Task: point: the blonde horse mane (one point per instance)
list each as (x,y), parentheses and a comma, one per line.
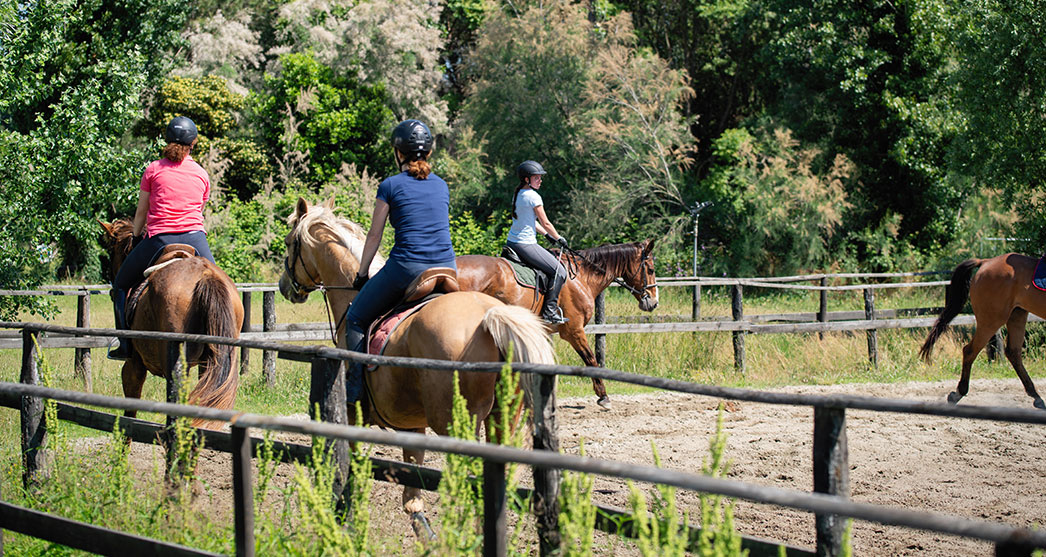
(350,234)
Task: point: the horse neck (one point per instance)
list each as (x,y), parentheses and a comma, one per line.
(594,279)
(337,267)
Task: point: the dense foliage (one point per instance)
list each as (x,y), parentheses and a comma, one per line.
(828,133)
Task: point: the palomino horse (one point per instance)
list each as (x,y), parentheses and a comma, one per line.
(323,251)
(631,265)
(192,296)
(1001,293)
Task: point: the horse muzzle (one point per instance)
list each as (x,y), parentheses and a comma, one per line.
(647,303)
(290,292)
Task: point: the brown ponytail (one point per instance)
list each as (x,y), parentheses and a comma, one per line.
(176,152)
(419,169)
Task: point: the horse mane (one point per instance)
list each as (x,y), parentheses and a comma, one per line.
(612,260)
(350,234)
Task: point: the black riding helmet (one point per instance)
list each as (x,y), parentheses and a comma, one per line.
(527,169)
(412,138)
(181,130)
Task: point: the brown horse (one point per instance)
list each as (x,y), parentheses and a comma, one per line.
(323,251)
(190,296)
(596,268)
(1001,293)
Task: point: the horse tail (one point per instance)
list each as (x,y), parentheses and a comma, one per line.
(212,312)
(954,300)
(527,333)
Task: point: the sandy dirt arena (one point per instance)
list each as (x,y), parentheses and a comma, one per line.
(971,468)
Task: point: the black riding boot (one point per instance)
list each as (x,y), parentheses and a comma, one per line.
(354,338)
(551,312)
(123,350)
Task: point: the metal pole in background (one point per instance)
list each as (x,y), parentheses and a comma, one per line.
(696,307)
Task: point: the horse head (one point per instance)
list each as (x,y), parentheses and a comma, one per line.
(119,236)
(642,277)
(309,264)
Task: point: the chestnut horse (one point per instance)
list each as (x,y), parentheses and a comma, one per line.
(191,296)
(631,265)
(1001,293)
(323,251)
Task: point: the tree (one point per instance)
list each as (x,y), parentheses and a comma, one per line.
(72,75)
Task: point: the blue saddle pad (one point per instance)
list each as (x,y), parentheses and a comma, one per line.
(1039,280)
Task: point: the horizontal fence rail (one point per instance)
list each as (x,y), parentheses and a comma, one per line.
(1004,535)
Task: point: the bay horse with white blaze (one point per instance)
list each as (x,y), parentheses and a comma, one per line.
(1000,293)
(323,252)
(186,295)
(631,265)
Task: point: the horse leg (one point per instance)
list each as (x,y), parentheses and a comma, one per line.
(413,504)
(1015,328)
(133,376)
(981,335)
(575,335)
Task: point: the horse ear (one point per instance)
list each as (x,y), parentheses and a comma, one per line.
(108,227)
(329,204)
(301,208)
(649,246)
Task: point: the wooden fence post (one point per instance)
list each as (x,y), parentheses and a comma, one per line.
(245,353)
(600,318)
(738,313)
(822,310)
(34,426)
(175,375)
(328,392)
(546,480)
(494,520)
(243,493)
(831,475)
(269,324)
(82,356)
(873,335)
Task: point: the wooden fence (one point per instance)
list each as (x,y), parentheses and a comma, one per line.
(830,501)
(871,320)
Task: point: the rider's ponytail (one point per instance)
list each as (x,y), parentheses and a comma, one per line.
(522,184)
(176,152)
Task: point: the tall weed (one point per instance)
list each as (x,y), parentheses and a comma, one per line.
(460,495)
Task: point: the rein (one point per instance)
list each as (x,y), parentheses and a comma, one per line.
(318,285)
(641,293)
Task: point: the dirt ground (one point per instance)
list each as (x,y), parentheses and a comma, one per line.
(971,468)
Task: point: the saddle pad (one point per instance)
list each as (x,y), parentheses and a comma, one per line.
(1039,280)
(384,327)
(525,276)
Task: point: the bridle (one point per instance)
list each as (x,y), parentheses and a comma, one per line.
(641,293)
(288,267)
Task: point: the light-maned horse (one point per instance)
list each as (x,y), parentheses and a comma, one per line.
(190,296)
(630,264)
(323,251)
(1000,293)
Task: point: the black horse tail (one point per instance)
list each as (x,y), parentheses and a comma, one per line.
(954,300)
(211,312)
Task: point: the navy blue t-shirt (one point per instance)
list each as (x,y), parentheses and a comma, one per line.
(419,210)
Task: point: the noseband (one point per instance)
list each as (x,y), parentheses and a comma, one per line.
(288,267)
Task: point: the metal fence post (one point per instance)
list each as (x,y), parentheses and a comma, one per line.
(546,480)
(873,334)
(34,426)
(601,339)
(245,353)
(82,356)
(269,324)
(494,519)
(822,310)
(831,475)
(243,493)
(738,314)
(328,392)
(175,375)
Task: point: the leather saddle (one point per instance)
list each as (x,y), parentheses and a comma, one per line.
(426,287)
(526,276)
(167,255)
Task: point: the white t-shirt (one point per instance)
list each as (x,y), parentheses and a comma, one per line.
(524,230)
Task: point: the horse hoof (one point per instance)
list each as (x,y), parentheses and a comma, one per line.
(604,401)
(954,397)
(421,526)
(1039,404)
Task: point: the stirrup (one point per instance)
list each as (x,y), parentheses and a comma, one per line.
(121,353)
(554,316)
